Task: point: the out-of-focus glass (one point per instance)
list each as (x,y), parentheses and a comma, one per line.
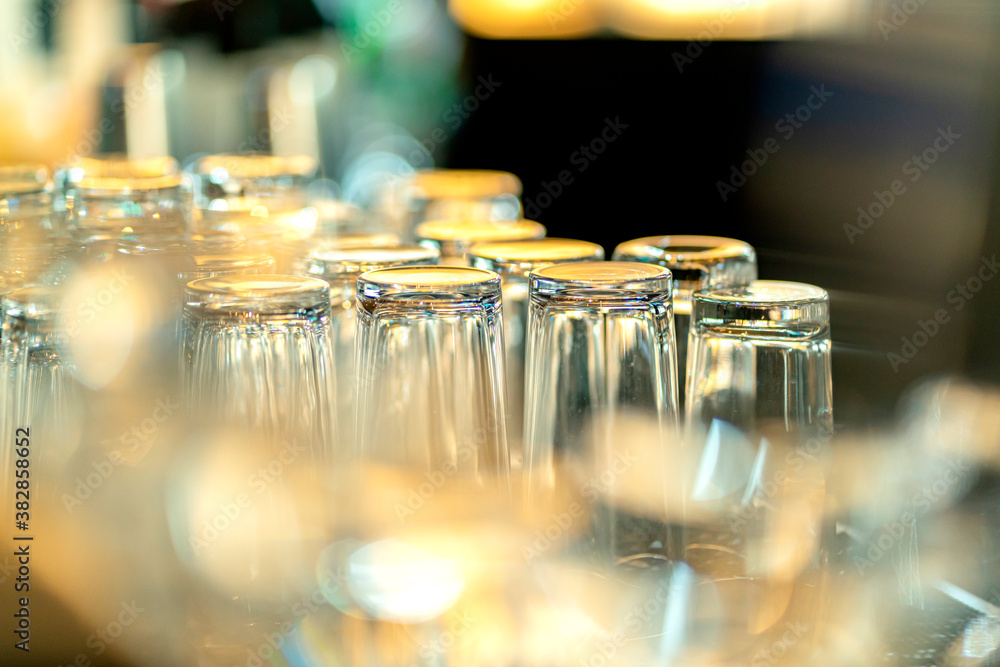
(262,197)
(600,351)
(455,238)
(513,261)
(340,267)
(461,194)
(28,230)
(696,262)
(761,354)
(40,400)
(431,375)
(258,355)
(106,196)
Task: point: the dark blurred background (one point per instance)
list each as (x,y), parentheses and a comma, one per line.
(685,114)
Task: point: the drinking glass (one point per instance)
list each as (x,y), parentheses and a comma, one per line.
(340,267)
(258,355)
(761,354)
(759,418)
(39,395)
(260,385)
(513,261)
(454,238)
(461,194)
(431,376)
(600,353)
(263,197)
(28,243)
(105,196)
(696,262)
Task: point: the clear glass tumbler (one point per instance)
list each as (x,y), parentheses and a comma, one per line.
(759,355)
(431,375)
(106,196)
(340,267)
(40,402)
(461,194)
(513,261)
(28,230)
(696,262)
(259,356)
(455,238)
(262,197)
(600,354)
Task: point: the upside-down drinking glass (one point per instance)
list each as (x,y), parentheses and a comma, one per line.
(340,267)
(430,372)
(760,354)
(263,197)
(258,355)
(455,238)
(696,262)
(39,395)
(600,353)
(107,195)
(28,243)
(513,261)
(460,194)
(759,415)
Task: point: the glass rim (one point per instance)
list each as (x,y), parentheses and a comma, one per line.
(471,232)
(224,261)
(116,173)
(433,184)
(686,248)
(432,277)
(255,165)
(333,261)
(34,302)
(256,289)
(24,179)
(533,251)
(765,294)
(603,276)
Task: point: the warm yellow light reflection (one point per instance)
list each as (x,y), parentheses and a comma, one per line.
(702,20)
